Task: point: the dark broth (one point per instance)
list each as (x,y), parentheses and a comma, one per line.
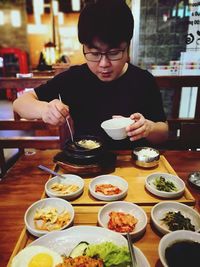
(183,254)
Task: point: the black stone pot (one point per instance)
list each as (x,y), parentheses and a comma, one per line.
(75,154)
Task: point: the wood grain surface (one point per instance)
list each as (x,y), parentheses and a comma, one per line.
(135,176)
(24,184)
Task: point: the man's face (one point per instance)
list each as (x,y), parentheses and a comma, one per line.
(109,67)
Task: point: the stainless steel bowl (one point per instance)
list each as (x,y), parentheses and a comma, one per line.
(143,158)
(194,179)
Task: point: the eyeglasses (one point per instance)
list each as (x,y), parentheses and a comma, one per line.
(111,55)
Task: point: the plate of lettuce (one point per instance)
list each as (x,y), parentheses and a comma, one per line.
(94,242)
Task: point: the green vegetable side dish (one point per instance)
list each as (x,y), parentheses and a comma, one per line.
(162,184)
(176,221)
(111,254)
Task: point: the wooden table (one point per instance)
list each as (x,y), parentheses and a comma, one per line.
(24,184)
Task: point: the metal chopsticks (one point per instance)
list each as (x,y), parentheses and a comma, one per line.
(131,250)
(50,171)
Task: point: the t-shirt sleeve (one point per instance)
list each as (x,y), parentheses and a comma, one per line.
(153,101)
(52,88)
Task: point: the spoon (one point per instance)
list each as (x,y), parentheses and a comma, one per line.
(70,130)
(50,171)
(68,124)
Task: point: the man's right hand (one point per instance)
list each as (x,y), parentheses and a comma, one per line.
(55,112)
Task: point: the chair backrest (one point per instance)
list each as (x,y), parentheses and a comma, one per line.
(175,84)
(190,135)
(43,136)
(184,134)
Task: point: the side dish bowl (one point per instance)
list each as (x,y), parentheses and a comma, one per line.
(70,180)
(112,180)
(175,237)
(146,157)
(151,184)
(194,179)
(160,210)
(61,205)
(127,208)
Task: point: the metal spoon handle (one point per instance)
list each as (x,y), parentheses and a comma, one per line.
(50,171)
(68,124)
(131,250)
(70,130)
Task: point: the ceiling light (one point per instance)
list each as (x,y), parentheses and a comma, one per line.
(55,7)
(15,18)
(76,5)
(38,7)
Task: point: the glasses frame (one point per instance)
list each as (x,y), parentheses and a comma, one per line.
(106,54)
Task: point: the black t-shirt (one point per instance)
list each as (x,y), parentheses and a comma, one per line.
(92,101)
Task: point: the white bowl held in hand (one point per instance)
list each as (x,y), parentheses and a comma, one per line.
(63,207)
(116,127)
(73,183)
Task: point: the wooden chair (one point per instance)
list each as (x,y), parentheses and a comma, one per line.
(190,135)
(44,137)
(176,132)
(176,83)
(184,134)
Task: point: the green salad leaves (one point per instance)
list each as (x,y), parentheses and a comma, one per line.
(111,254)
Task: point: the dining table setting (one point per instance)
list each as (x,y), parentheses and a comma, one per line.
(100,195)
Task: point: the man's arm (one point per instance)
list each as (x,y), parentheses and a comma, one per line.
(155,132)
(29,107)
(158,132)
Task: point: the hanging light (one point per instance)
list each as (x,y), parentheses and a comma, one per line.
(50,53)
(76,5)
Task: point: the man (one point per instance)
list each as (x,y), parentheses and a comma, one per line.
(106,86)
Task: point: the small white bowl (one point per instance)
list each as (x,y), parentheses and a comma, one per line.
(70,179)
(178,182)
(108,179)
(173,237)
(116,127)
(58,203)
(158,212)
(126,207)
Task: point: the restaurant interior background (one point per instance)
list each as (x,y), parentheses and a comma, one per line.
(166,39)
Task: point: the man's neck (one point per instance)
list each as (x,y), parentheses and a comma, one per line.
(124,69)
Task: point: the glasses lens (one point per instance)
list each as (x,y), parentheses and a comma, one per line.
(111,55)
(115,55)
(93,56)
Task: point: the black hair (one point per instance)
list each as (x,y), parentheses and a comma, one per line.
(109,20)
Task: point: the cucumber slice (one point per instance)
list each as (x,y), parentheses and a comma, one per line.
(79,250)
